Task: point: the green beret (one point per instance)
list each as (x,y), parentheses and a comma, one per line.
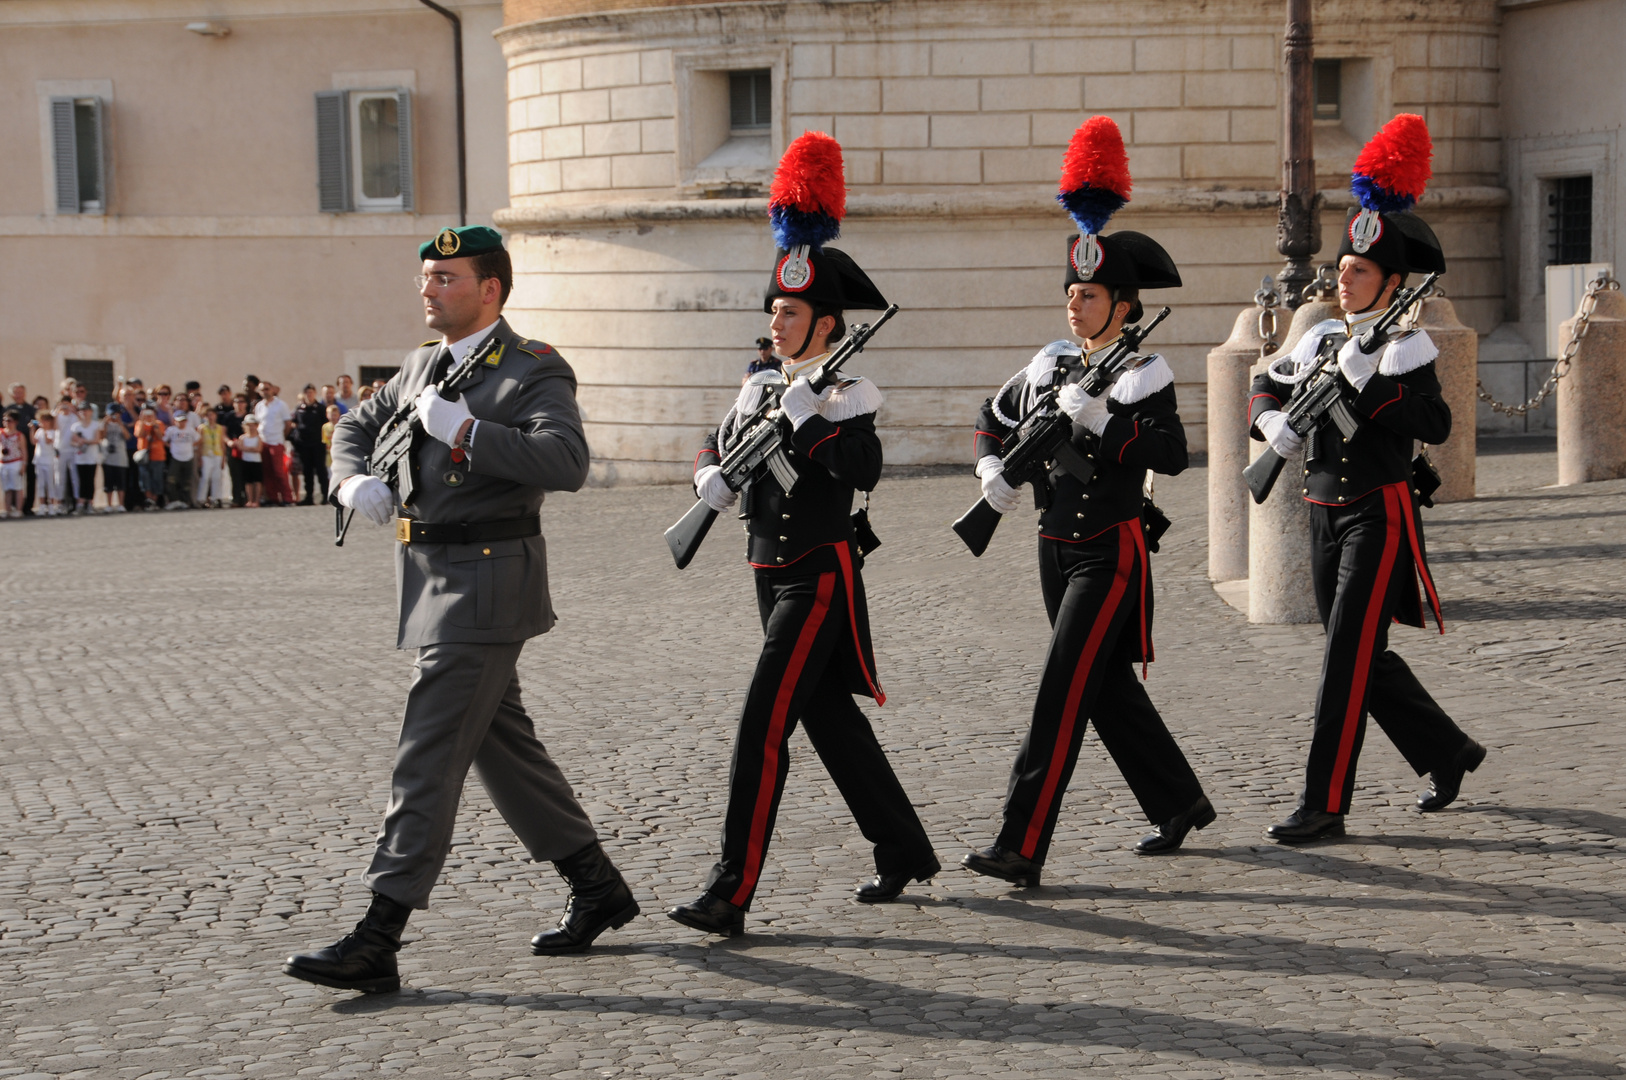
(461,243)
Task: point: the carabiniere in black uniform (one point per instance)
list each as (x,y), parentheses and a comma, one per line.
(1095,575)
(804,550)
(1366,539)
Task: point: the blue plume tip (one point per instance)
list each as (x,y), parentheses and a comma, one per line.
(793,227)
(1374,196)
(1091,207)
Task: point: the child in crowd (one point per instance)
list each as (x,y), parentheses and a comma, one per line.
(47,480)
(86,438)
(115,460)
(150,457)
(180,441)
(248,447)
(212,462)
(12,459)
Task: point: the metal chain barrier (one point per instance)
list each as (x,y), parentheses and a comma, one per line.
(1561,366)
(1269,298)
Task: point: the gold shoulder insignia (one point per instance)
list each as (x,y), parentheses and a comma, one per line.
(495,357)
(431,341)
(537,349)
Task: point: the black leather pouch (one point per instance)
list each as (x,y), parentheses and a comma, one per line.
(1154,523)
(1425,479)
(864,536)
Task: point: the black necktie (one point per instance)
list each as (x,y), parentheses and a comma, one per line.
(443,364)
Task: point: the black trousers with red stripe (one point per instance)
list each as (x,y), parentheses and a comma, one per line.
(1092,592)
(799,678)
(1362,565)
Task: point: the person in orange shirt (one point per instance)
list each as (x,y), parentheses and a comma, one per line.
(151,455)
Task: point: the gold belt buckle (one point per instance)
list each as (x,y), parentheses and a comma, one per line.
(403,530)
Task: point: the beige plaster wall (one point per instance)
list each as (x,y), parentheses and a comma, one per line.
(953,117)
(213,259)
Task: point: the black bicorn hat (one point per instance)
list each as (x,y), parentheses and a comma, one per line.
(1389,177)
(1095,184)
(805,206)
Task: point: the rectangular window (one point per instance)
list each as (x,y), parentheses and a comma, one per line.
(750,101)
(1569,220)
(370,374)
(1328,81)
(96,376)
(364,150)
(79,151)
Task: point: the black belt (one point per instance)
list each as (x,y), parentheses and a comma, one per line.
(410,531)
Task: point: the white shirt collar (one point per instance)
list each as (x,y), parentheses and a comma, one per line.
(463,346)
(793,368)
(1357,324)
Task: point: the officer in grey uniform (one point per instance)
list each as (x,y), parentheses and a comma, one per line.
(471,575)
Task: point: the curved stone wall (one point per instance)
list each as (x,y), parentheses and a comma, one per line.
(953,117)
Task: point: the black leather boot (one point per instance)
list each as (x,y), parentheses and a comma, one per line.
(599,901)
(1304,826)
(1171,834)
(363,959)
(884,887)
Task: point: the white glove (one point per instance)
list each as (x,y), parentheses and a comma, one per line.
(1087,411)
(441,418)
(1356,365)
(713,489)
(799,402)
(1000,495)
(1282,438)
(368,494)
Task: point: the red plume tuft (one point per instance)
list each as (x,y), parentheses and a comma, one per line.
(809,177)
(1398,157)
(1096,158)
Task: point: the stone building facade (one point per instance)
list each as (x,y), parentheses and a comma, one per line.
(638,215)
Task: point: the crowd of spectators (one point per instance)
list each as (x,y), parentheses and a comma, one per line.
(162,450)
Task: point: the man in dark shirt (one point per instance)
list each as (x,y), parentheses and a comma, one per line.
(309,416)
(229,414)
(19,407)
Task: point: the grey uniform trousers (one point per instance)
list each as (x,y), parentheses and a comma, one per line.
(463,709)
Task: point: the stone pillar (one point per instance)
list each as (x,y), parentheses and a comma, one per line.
(1592,397)
(1458,370)
(1279,530)
(1228,378)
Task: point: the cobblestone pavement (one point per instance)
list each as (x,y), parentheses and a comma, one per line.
(196,721)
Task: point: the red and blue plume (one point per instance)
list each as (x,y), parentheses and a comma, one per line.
(1393,169)
(809,194)
(1094,174)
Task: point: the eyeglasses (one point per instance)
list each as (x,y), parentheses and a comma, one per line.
(441,280)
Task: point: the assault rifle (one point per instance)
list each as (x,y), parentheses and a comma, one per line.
(1319,396)
(392,459)
(760,447)
(1047,434)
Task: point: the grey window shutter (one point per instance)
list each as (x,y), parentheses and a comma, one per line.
(333,151)
(65,155)
(403,120)
(98,163)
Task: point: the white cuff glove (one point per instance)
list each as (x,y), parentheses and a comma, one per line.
(713,489)
(1086,411)
(1356,365)
(1000,495)
(1282,438)
(799,402)
(368,494)
(441,418)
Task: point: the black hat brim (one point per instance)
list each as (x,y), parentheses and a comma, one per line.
(1406,245)
(837,282)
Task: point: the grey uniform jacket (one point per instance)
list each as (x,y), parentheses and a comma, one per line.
(529,442)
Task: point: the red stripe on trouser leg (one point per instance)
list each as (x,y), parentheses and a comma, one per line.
(1356,702)
(1075,694)
(1403,492)
(774,741)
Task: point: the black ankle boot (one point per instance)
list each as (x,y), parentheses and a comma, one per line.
(363,959)
(599,901)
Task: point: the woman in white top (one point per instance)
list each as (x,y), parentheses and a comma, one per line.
(115,461)
(47,480)
(248,445)
(86,438)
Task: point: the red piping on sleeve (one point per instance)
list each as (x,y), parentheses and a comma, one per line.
(703,453)
(1256,397)
(1400,392)
(822,441)
(1131,439)
(990,434)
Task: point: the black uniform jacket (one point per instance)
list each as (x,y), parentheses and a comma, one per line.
(809,529)
(1401,403)
(1143,433)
